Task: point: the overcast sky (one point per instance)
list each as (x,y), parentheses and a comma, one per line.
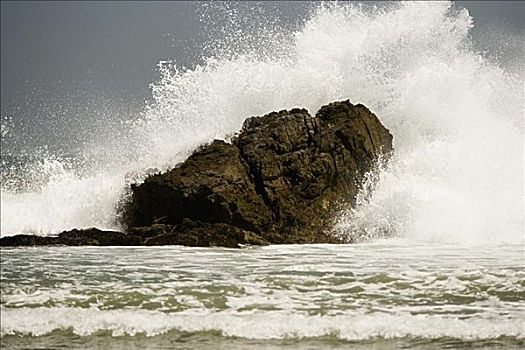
(66,62)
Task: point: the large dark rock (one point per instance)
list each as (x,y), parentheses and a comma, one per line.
(281,180)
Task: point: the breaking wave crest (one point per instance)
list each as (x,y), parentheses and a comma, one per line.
(84,322)
(456,117)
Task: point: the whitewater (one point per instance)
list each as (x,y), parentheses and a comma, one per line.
(442,263)
(386,294)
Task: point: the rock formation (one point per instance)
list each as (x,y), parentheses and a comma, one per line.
(280,180)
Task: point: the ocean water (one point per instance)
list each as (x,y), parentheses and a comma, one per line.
(441,263)
(387,294)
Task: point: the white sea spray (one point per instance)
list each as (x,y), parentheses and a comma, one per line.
(457,121)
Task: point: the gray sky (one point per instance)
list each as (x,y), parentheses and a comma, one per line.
(65,63)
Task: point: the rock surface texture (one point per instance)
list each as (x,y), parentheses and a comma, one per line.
(280,180)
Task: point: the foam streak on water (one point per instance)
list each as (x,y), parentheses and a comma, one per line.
(457,122)
(336,294)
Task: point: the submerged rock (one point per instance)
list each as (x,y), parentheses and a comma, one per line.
(27,240)
(90,236)
(280,180)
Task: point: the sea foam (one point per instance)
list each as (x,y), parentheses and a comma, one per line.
(269,325)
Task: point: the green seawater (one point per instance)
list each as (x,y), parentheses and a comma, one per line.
(384,295)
